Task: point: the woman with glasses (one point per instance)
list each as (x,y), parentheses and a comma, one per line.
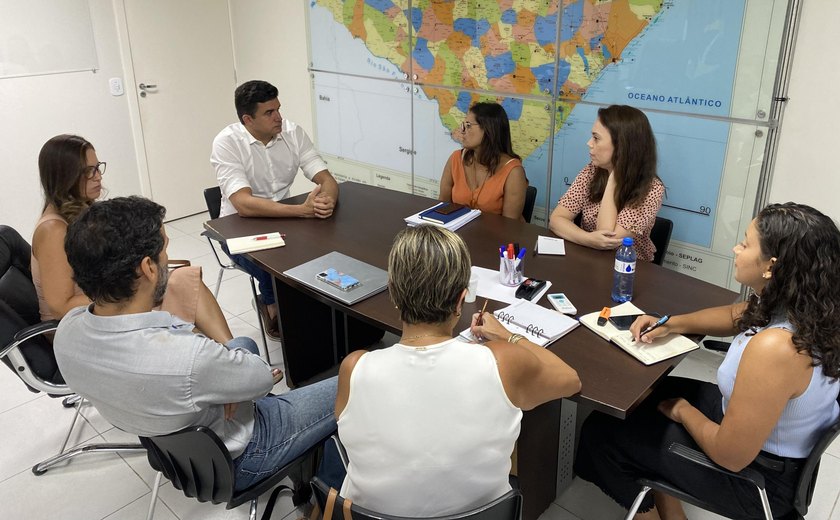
(618,193)
(71,178)
(485,174)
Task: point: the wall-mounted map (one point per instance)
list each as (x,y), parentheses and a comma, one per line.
(393,79)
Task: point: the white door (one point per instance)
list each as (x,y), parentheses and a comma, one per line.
(183,69)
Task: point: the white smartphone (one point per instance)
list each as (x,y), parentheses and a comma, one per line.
(561,303)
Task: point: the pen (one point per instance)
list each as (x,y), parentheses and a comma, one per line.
(662,321)
(479,320)
(521,253)
(266,237)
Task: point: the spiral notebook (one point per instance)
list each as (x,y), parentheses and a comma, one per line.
(538,324)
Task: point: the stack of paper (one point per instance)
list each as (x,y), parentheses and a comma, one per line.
(550,245)
(415,220)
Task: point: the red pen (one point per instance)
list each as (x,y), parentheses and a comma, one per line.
(510,251)
(265,237)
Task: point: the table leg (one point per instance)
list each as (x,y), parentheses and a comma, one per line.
(316,336)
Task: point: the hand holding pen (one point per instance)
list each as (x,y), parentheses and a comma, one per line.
(643,327)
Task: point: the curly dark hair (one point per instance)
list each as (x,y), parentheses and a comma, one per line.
(107,242)
(634,156)
(805,282)
(493,119)
(61,165)
(249,94)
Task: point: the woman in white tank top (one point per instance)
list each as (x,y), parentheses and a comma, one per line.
(777,388)
(429,424)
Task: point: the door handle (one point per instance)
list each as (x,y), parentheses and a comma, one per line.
(146,88)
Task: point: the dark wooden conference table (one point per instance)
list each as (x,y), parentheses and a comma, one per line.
(319,331)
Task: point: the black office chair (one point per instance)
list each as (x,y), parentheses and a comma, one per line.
(506,507)
(197,462)
(213,199)
(530,201)
(660,235)
(27,352)
(801,499)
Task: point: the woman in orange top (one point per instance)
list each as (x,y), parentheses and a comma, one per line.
(486,174)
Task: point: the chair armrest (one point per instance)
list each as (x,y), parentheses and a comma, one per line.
(28,333)
(700,458)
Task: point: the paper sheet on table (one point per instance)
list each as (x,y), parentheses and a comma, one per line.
(550,245)
(489,287)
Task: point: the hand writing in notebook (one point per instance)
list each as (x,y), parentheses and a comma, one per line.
(487,327)
(642,323)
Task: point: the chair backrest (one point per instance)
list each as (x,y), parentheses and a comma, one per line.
(213,199)
(196,461)
(808,477)
(506,507)
(530,201)
(19,309)
(660,235)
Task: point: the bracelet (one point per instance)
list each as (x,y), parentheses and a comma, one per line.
(515,338)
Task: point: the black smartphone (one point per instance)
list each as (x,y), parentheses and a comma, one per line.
(623,322)
(448,208)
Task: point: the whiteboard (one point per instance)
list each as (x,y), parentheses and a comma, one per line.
(45,37)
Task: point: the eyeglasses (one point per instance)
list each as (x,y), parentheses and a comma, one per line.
(466,125)
(91,171)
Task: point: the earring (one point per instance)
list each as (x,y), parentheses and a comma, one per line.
(458,314)
(766,276)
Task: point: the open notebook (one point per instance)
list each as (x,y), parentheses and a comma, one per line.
(538,324)
(660,349)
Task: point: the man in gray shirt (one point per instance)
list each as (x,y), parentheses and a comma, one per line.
(148,373)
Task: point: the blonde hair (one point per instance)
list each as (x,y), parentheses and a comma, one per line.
(428,269)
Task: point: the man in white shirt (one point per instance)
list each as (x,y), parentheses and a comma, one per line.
(256,161)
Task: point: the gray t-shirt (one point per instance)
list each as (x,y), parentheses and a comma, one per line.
(149,374)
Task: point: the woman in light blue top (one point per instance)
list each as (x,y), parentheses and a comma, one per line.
(777,388)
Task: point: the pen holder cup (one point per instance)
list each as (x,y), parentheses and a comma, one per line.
(510,271)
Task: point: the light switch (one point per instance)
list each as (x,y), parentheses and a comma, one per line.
(116,86)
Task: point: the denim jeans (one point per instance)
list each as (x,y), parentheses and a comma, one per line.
(263,278)
(245,343)
(285,426)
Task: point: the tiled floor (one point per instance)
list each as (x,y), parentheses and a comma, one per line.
(107,486)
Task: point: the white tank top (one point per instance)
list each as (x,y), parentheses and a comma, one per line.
(428,432)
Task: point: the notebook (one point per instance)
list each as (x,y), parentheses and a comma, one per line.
(372,280)
(251,243)
(660,349)
(538,324)
(439,214)
(452,225)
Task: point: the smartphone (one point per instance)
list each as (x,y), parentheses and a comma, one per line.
(623,322)
(449,207)
(345,282)
(561,303)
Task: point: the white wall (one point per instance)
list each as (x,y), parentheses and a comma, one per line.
(806,169)
(39,107)
(269,43)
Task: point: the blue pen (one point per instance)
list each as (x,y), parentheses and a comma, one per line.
(662,321)
(521,253)
(501,251)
